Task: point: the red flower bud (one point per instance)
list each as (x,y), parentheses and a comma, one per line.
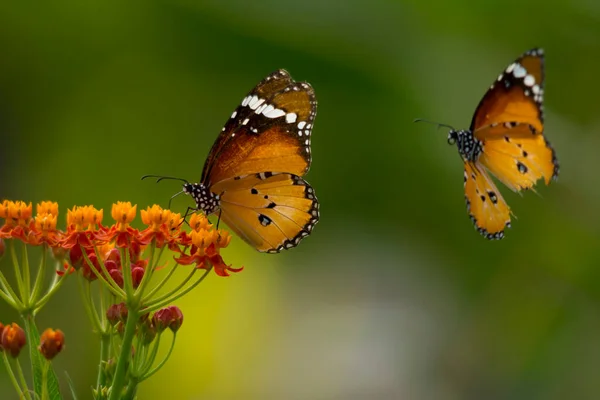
(51,343)
(13,339)
(137,273)
(169,317)
(116,313)
(117,276)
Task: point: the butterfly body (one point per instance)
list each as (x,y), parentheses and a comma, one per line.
(252,176)
(506,138)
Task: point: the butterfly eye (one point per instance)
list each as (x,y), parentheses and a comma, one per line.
(452,138)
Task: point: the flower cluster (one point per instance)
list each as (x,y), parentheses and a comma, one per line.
(96,249)
(121,261)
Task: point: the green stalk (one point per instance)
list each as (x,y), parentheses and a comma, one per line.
(108,281)
(39,278)
(7,296)
(104,350)
(159,366)
(160,285)
(56,284)
(149,271)
(26,276)
(150,360)
(157,305)
(127,278)
(12,376)
(86,299)
(131,389)
(18,276)
(22,379)
(174,290)
(125,355)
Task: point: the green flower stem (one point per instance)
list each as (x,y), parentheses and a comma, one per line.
(104,351)
(18,276)
(26,275)
(108,281)
(140,356)
(131,389)
(22,379)
(176,289)
(149,270)
(56,284)
(45,368)
(156,305)
(84,289)
(126,269)
(160,285)
(39,278)
(125,355)
(150,360)
(8,295)
(21,392)
(160,365)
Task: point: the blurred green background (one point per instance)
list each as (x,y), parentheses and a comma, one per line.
(394,295)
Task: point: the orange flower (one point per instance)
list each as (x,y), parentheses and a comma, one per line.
(47,207)
(17,216)
(13,339)
(163,227)
(123,235)
(44,227)
(206,245)
(81,227)
(51,343)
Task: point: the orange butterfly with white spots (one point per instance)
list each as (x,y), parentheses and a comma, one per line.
(506,138)
(253,174)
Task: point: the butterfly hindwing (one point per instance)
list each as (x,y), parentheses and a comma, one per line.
(485,205)
(519,157)
(269,131)
(270,211)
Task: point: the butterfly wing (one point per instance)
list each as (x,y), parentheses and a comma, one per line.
(509,122)
(256,164)
(271,212)
(269,131)
(486,207)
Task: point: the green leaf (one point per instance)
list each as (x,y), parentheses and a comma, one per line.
(38,361)
(73,393)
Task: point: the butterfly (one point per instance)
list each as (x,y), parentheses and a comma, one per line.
(252,176)
(506,138)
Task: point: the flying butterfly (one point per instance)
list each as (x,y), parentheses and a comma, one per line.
(252,176)
(506,138)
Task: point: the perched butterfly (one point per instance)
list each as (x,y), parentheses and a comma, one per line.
(253,174)
(506,138)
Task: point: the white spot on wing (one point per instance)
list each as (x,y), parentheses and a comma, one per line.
(301,124)
(245,101)
(275,113)
(233,114)
(529,80)
(290,118)
(519,71)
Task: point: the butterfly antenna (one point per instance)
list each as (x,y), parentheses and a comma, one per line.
(219,219)
(161,178)
(435,123)
(172,197)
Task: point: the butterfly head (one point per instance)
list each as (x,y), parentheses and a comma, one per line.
(206,201)
(469,147)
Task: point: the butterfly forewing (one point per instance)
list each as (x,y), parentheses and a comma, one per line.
(271,212)
(515,97)
(269,131)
